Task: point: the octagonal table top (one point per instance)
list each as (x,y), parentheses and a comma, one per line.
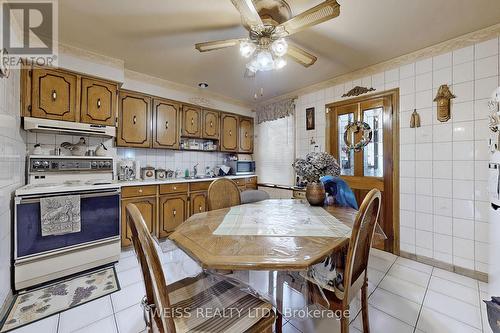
(283,251)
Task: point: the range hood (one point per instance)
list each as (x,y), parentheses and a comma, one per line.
(67,127)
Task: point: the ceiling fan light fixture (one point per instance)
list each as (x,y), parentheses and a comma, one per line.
(265,61)
(247,48)
(279,47)
(279,63)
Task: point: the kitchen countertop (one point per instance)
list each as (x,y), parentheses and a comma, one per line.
(35,189)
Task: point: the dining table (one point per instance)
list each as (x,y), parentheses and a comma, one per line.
(273,240)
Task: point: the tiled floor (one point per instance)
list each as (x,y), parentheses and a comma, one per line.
(405,296)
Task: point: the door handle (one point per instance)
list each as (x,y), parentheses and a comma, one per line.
(54,95)
(174,212)
(192,121)
(166,125)
(246,135)
(134,120)
(211,124)
(98,103)
(230,133)
(200,208)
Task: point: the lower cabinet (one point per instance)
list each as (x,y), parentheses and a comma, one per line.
(173,211)
(147,207)
(198,202)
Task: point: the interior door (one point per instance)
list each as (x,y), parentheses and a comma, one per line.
(372,166)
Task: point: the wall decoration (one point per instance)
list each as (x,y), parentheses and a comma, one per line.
(350,133)
(443,98)
(310,119)
(356,91)
(415,119)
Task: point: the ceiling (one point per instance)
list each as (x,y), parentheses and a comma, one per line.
(157,37)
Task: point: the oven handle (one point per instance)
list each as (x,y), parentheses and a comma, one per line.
(82,196)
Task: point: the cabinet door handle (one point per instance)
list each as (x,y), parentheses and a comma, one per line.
(54,95)
(246,134)
(175,187)
(98,103)
(211,124)
(174,212)
(192,121)
(135,120)
(140,190)
(230,133)
(200,208)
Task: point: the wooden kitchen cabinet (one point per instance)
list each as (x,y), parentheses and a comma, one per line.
(198,202)
(165,124)
(210,124)
(147,207)
(134,120)
(53,94)
(229,133)
(251,183)
(191,121)
(246,135)
(173,211)
(98,102)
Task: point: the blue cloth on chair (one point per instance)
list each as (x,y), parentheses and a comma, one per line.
(339,189)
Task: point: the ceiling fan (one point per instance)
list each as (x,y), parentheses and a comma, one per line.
(269,23)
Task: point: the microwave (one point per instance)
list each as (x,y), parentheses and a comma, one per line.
(242,167)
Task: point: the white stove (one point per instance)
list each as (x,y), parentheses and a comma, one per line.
(39,259)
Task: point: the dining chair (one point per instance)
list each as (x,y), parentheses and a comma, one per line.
(176,307)
(250,196)
(223,193)
(355,267)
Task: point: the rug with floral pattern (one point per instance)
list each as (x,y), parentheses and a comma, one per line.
(45,301)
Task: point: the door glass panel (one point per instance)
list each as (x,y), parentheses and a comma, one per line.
(373,156)
(346,158)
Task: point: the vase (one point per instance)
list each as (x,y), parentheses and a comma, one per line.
(315,193)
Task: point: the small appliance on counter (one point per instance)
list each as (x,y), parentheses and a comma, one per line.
(242,165)
(148,173)
(127,170)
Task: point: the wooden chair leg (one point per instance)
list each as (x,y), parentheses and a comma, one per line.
(279,301)
(364,308)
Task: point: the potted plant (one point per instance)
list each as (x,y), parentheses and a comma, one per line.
(314,166)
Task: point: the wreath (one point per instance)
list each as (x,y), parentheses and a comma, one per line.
(356,127)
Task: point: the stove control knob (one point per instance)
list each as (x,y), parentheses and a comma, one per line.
(101,164)
(45,164)
(94,164)
(36,164)
(107,164)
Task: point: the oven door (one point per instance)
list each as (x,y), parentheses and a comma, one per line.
(100,220)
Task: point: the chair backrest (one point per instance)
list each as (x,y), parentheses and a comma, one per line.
(250,196)
(154,279)
(223,193)
(360,243)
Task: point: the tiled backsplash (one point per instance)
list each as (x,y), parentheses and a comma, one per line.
(158,158)
(443,166)
(12,152)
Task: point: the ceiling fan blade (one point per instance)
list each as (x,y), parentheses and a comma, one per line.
(325,11)
(301,56)
(248,13)
(216,45)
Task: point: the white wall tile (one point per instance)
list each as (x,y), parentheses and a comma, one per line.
(463,131)
(463,170)
(463,209)
(464,91)
(407,71)
(442,132)
(485,87)
(423,66)
(462,111)
(486,49)
(463,55)
(463,228)
(443,206)
(463,189)
(442,151)
(463,150)
(463,248)
(423,186)
(443,225)
(391,75)
(486,67)
(463,72)
(441,61)
(442,188)
(442,76)
(443,243)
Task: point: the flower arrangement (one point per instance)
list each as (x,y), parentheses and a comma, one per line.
(316,165)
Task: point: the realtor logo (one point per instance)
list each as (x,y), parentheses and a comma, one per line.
(29,32)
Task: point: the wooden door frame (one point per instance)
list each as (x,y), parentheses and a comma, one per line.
(394,95)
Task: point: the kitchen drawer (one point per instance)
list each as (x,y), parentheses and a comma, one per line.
(240,181)
(299,194)
(199,186)
(173,188)
(251,180)
(138,191)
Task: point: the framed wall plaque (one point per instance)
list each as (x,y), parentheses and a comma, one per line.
(310,119)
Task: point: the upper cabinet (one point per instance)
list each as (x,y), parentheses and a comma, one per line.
(98,102)
(134,120)
(191,121)
(210,124)
(229,132)
(165,124)
(53,94)
(246,135)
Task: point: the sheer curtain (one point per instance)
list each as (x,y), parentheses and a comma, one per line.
(275,151)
